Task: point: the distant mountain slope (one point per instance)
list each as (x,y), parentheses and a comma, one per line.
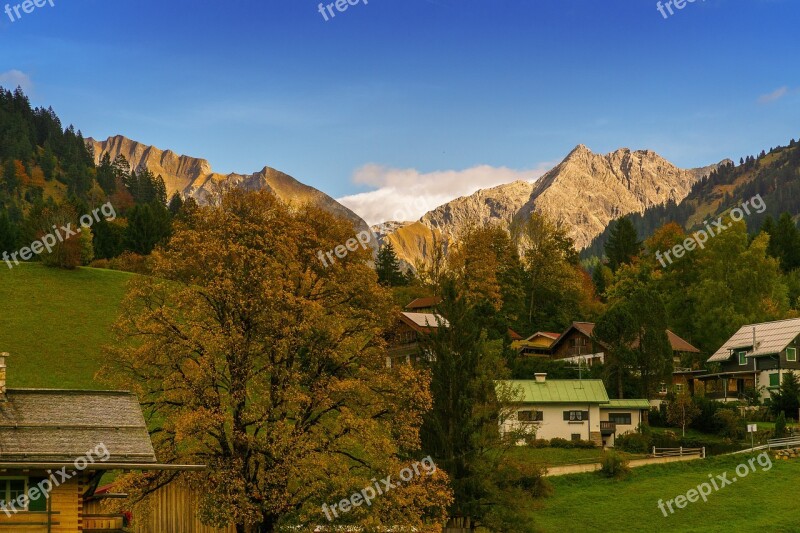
(193,176)
(584,192)
(774,175)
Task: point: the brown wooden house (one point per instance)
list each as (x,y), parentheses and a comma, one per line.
(55,445)
(403,339)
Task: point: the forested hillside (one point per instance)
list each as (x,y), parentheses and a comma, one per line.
(48,177)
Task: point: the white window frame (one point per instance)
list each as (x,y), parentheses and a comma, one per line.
(4,491)
(740,354)
(794,351)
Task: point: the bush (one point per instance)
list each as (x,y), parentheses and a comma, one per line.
(614,465)
(729,424)
(561,443)
(633,442)
(540,443)
(583,444)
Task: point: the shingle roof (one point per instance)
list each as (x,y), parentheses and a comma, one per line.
(555,390)
(771,338)
(62,425)
(680,345)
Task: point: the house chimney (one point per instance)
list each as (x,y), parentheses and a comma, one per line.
(3,357)
(540,378)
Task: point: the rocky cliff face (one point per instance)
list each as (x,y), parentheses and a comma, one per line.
(194,177)
(584,192)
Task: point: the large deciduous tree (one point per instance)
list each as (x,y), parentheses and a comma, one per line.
(253,358)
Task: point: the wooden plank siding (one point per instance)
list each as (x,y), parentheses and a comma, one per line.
(172,509)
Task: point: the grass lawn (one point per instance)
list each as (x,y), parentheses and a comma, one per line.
(759,501)
(560,456)
(55,322)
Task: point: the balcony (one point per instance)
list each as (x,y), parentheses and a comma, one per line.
(608,428)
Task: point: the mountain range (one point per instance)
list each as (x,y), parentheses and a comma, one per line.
(585,192)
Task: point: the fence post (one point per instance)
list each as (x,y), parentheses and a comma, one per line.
(654,451)
(681,451)
(704,452)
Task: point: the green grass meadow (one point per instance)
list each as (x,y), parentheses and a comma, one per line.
(761,501)
(55,322)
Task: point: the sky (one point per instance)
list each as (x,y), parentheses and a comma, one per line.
(395,106)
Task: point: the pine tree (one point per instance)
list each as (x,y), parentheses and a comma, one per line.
(388,267)
(623,243)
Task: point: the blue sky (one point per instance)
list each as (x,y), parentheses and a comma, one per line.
(404,99)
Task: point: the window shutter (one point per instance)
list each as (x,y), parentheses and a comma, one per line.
(40,503)
(586,415)
(566,415)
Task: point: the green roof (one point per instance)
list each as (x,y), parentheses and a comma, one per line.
(555,390)
(627,404)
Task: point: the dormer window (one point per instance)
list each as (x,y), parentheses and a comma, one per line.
(742,358)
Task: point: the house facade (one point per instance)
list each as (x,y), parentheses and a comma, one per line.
(755,357)
(568,409)
(577,345)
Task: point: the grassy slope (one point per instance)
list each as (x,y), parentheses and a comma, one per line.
(55,322)
(759,501)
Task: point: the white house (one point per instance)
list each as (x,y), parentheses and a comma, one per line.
(567,408)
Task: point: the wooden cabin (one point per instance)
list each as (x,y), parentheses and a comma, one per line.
(56,445)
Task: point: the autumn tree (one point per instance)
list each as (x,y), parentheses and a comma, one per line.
(681,411)
(486,267)
(558,291)
(252,358)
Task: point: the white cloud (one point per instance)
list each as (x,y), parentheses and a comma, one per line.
(407,194)
(774,96)
(12,79)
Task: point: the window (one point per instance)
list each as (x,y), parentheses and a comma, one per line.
(576,436)
(576,416)
(12,488)
(529,416)
(775,380)
(742,358)
(679,387)
(663,389)
(791,354)
(620,418)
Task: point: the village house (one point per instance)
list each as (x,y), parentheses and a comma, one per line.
(537,345)
(570,409)
(755,358)
(404,338)
(56,445)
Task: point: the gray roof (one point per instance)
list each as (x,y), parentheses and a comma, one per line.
(38,425)
(771,338)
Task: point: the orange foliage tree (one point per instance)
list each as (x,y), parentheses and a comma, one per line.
(253,358)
